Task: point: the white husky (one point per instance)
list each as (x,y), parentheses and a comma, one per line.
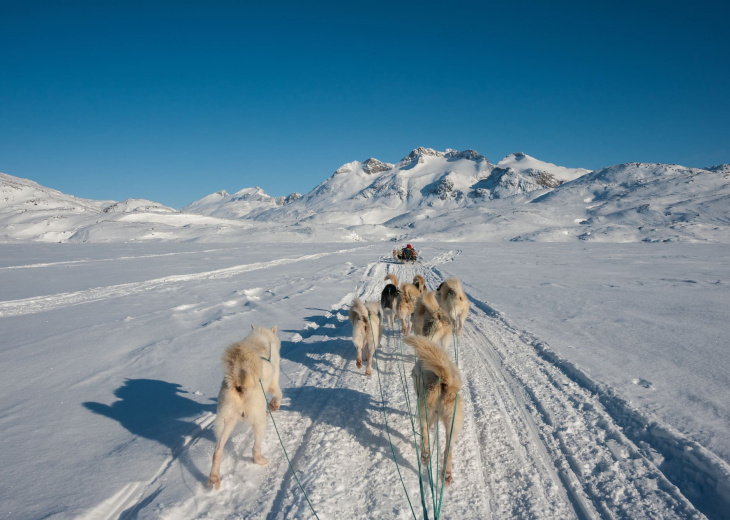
(248,366)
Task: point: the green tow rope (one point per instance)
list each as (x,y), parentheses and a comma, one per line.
(285,453)
(385,415)
(404,384)
(436,502)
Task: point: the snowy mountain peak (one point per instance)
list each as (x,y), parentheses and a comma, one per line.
(719,168)
(369,167)
(245,203)
(138,206)
(253,194)
(469,154)
(346,168)
(374,166)
(520,162)
(280,201)
(418,155)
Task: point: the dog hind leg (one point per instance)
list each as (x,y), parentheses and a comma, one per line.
(259,426)
(225,432)
(371,352)
(275,390)
(451,433)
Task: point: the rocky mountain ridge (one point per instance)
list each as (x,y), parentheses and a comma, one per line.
(454,195)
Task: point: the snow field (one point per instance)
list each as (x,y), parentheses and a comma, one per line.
(121,426)
(534,444)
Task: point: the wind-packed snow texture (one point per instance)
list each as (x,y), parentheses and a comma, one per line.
(596,381)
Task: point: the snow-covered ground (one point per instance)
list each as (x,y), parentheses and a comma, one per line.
(596,381)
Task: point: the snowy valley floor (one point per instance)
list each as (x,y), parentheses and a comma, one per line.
(596,381)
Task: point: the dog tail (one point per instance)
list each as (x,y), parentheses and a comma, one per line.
(358,307)
(451,288)
(420,282)
(429,301)
(438,361)
(435,316)
(358,312)
(241,366)
(409,293)
(393,279)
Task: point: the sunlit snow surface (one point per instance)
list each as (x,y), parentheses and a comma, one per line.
(596,381)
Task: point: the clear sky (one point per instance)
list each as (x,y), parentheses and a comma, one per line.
(174,100)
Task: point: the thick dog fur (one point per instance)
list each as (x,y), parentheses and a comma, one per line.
(433,364)
(432,321)
(392,279)
(420,282)
(389,298)
(452,299)
(367,331)
(407,297)
(241,397)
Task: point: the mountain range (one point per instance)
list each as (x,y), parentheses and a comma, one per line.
(427,195)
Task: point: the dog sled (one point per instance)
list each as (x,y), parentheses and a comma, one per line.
(406,254)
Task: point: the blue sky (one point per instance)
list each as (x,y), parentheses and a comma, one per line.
(171,101)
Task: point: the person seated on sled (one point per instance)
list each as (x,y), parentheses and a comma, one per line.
(409,253)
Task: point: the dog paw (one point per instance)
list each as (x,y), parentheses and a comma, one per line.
(359,363)
(447,478)
(368,371)
(424,457)
(214,481)
(274,405)
(261,460)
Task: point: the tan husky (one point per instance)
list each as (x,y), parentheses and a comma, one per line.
(437,401)
(420,282)
(432,321)
(407,296)
(367,331)
(248,366)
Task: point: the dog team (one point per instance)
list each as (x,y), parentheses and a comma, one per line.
(251,366)
(432,318)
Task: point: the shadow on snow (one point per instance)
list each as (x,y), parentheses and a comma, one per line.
(158,411)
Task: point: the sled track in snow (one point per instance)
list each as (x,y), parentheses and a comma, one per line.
(685,469)
(562,447)
(611,460)
(53,301)
(540,438)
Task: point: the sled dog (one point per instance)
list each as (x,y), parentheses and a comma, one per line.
(241,398)
(407,296)
(388,299)
(452,299)
(420,282)
(433,364)
(432,321)
(366,319)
